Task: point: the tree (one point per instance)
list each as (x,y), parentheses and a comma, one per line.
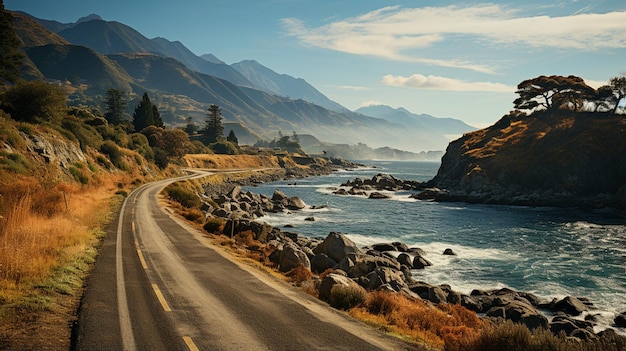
(553,92)
(146,114)
(191,127)
(214,130)
(232,138)
(618,84)
(35,102)
(115,104)
(10,55)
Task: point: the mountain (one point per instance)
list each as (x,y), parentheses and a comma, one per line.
(182,92)
(555,157)
(79,65)
(284,85)
(444,126)
(108,37)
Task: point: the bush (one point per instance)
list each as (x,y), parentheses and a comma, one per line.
(160,158)
(35,102)
(193,214)
(86,135)
(14,162)
(214,225)
(110,149)
(224,147)
(345,297)
(79,174)
(185,197)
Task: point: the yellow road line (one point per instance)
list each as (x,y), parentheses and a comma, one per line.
(190,344)
(132,226)
(161,298)
(142,260)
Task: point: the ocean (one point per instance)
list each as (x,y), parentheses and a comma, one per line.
(551,252)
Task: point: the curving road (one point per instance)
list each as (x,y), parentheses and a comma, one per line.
(159,285)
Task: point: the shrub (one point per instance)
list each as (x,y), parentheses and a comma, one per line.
(192,214)
(160,158)
(79,174)
(214,225)
(14,162)
(110,149)
(35,101)
(224,147)
(345,297)
(87,135)
(183,196)
(299,275)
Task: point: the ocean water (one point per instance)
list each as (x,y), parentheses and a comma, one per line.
(551,252)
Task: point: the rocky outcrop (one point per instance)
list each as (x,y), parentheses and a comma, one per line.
(377,184)
(550,158)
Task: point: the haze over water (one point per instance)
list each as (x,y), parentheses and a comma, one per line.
(551,252)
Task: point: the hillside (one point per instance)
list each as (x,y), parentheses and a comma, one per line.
(284,85)
(556,157)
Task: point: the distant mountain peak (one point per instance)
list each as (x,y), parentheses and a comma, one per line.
(91,17)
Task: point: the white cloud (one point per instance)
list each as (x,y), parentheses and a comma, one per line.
(354,88)
(443,83)
(396,33)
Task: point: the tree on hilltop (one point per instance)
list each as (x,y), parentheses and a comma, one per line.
(146,114)
(232,137)
(115,104)
(548,92)
(214,129)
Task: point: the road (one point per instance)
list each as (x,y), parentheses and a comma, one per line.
(158,284)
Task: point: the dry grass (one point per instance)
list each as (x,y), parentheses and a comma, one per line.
(449,326)
(223,162)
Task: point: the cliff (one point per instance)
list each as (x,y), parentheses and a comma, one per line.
(550,158)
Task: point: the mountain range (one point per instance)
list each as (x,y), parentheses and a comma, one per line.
(99,55)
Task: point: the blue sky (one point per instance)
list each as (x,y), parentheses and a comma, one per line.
(444,58)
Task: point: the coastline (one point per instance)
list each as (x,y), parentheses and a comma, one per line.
(503,303)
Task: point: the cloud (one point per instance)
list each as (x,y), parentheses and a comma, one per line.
(397,33)
(443,83)
(354,88)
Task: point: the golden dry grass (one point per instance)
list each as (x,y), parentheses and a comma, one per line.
(224,162)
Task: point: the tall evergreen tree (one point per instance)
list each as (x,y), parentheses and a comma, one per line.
(156,117)
(144,114)
(214,130)
(115,105)
(10,55)
(232,137)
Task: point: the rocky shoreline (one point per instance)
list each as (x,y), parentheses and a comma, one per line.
(384,266)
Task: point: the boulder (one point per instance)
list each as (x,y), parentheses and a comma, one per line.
(570,305)
(436,295)
(292,257)
(321,262)
(377,195)
(382,247)
(331,280)
(386,276)
(449,252)
(405,259)
(366,264)
(295,203)
(420,262)
(336,246)
(620,320)
(518,312)
(279,196)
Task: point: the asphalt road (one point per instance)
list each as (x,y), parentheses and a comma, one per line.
(158,284)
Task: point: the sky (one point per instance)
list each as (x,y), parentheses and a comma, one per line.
(460,59)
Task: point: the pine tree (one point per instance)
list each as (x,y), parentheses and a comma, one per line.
(10,56)
(232,137)
(214,128)
(156,117)
(144,114)
(115,105)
